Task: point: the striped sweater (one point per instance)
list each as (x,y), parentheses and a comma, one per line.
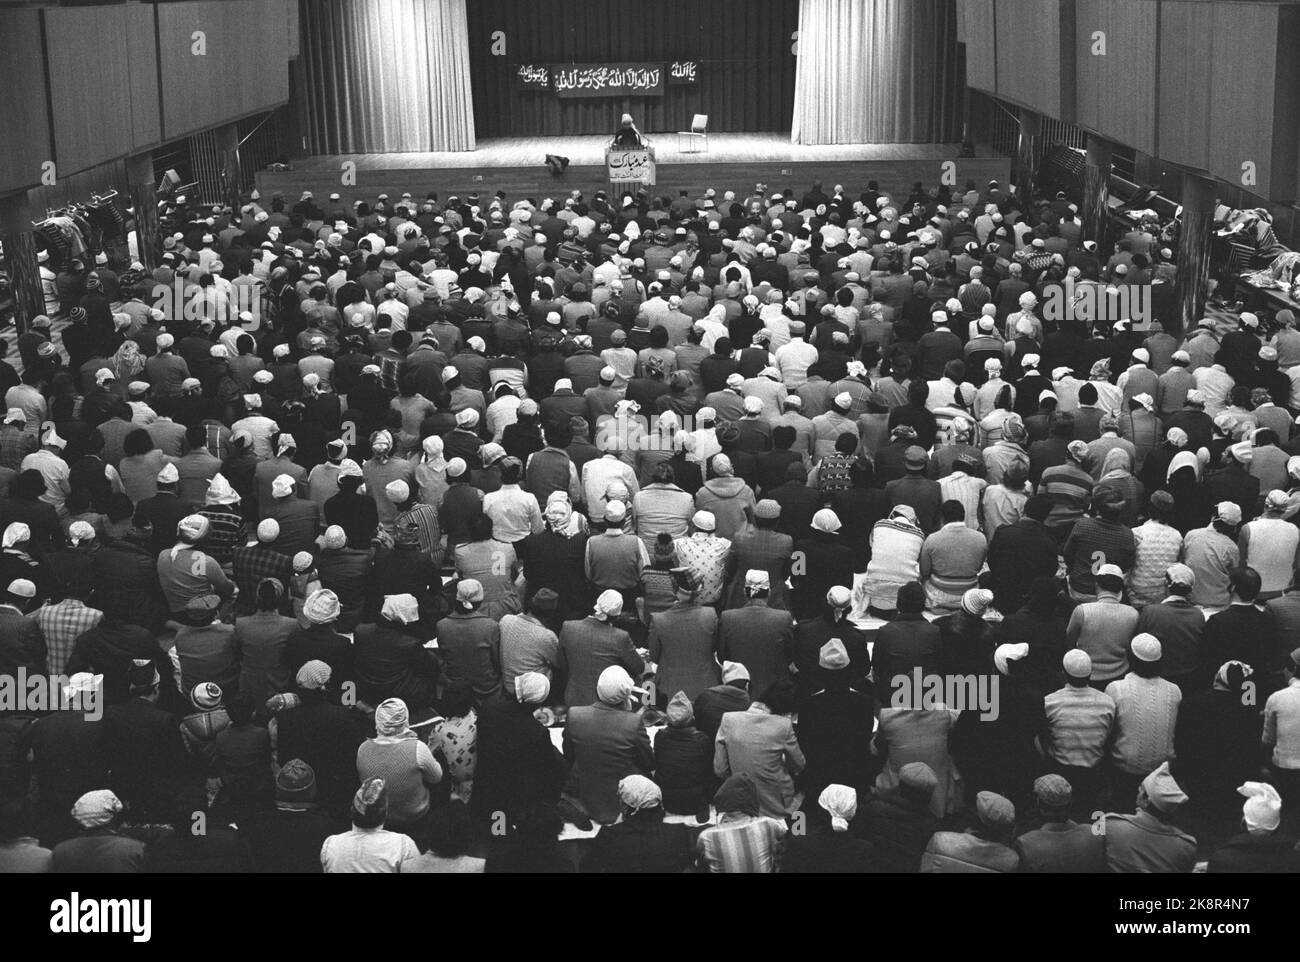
(1079,722)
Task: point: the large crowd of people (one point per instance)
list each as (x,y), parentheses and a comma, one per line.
(711,533)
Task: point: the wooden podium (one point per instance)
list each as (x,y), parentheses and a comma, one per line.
(630,167)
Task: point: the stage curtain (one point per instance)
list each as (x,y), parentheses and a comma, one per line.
(876,71)
(746,73)
(386,75)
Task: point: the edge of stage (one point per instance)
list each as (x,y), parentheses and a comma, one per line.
(733,161)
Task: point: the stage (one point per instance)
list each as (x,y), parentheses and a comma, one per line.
(734,161)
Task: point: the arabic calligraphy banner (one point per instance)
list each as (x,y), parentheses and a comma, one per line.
(606,80)
(630,165)
(683,72)
(531,76)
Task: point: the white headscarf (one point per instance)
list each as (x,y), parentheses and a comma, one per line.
(842,804)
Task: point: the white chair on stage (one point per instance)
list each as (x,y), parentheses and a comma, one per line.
(698,133)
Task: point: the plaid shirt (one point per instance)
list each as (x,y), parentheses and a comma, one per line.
(16,445)
(254,562)
(62,624)
(227,532)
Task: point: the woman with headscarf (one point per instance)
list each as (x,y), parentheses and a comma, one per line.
(742,841)
(406,765)
(829,844)
(26,506)
(1117,475)
(555,558)
(747,325)
(430,476)
(642,842)
(389,657)
(1192,505)
(127,363)
(1216,741)
(16,560)
(469,642)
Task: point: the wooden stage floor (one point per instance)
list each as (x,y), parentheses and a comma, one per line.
(732,162)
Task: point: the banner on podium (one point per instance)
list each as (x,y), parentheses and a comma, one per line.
(631,165)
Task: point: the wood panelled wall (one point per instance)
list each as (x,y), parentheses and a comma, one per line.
(24,121)
(1207,84)
(244,69)
(94,71)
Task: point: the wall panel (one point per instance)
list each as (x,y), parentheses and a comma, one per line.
(242,71)
(978,17)
(1115,91)
(1029,69)
(142,62)
(24,121)
(1242,101)
(90,85)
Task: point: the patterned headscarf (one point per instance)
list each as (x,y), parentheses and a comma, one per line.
(392,718)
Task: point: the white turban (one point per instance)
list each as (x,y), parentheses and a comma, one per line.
(96,809)
(532,688)
(638,793)
(609,603)
(1263,808)
(1009,653)
(842,804)
(402,608)
(16,533)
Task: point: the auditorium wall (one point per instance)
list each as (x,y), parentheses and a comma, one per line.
(1213,85)
(95,84)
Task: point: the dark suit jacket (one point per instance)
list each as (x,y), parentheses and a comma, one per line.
(759,638)
(604,744)
(587,648)
(518,766)
(907,642)
(22,643)
(681,642)
(298,520)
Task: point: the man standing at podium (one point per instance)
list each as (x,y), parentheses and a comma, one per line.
(627,135)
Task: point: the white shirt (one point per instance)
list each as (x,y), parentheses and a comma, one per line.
(793,360)
(56,473)
(259,428)
(1216,384)
(367,851)
(395,314)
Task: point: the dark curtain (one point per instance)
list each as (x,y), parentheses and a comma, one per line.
(746,74)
